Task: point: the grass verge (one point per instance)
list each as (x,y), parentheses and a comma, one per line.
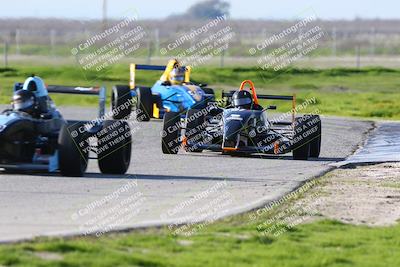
(363,93)
(234,241)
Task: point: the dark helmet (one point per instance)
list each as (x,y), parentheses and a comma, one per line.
(24,100)
(242,99)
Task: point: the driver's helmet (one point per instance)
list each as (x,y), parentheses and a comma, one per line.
(24,100)
(177,75)
(242,99)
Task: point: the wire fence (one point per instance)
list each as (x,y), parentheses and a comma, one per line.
(358,38)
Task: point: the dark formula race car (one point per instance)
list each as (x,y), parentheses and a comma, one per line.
(35,137)
(238,130)
(173,92)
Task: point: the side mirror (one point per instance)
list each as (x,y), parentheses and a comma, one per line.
(202,84)
(271,107)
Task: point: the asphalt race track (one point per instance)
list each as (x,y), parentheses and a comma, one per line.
(160,189)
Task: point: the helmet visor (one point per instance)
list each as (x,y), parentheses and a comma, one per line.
(237,102)
(22,105)
(177,78)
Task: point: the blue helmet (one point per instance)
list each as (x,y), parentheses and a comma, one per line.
(36,85)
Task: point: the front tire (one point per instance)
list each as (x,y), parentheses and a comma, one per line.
(144,107)
(114,143)
(121,102)
(73,152)
(170,142)
(193,129)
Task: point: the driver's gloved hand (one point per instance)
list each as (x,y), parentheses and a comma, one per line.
(166,83)
(257,107)
(46,116)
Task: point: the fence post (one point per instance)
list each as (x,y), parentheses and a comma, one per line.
(358,56)
(221,63)
(334,52)
(17,42)
(52,41)
(372,43)
(5,53)
(264,37)
(157,41)
(149,53)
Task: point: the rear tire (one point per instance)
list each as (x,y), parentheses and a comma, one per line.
(208,91)
(121,102)
(315,144)
(170,142)
(73,152)
(144,106)
(114,143)
(301,145)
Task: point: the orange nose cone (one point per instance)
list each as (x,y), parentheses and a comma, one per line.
(229,148)
(184,141)
(276,147)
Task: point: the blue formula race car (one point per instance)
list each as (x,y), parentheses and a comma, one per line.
(34,136)
(173,92)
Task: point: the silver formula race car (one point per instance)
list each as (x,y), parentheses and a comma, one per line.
(243,126)
(34,136)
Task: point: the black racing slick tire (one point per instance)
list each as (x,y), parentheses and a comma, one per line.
(210,95)
(144,105)
(301,143)
(170,136)
(208,91)
(73,149)
(114,143)
(315,139)
(121,102)
(194,129)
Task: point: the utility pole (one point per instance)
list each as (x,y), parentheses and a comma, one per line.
(104,15)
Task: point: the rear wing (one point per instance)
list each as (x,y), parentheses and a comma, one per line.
(76,90)
(270,97)
(167,69)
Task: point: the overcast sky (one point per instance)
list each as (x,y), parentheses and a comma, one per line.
(277,9)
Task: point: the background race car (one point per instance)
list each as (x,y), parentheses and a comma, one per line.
(235,130)
(42,140)
(162,97)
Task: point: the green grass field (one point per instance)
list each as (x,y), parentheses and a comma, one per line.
(363,93)
(234,241)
